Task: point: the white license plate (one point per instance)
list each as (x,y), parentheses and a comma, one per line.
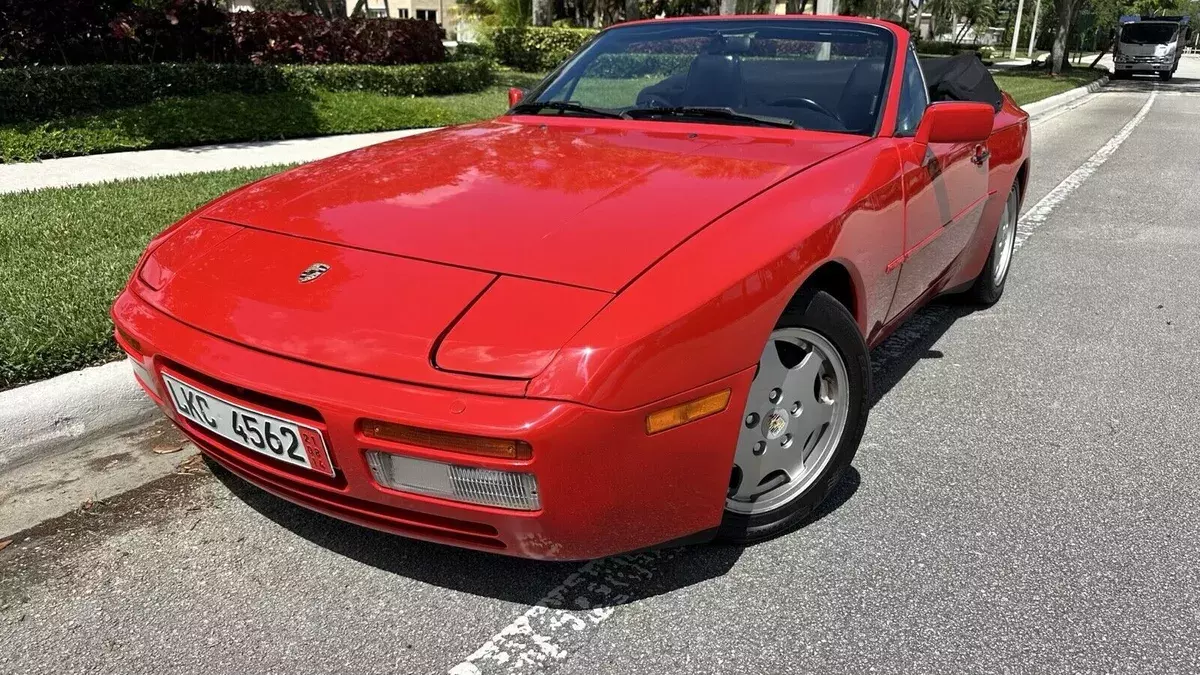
(263,433)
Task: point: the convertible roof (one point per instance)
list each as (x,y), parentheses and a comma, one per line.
(961,78)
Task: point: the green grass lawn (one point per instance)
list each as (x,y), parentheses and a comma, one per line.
(1029,86)
(67,252)
(221,118)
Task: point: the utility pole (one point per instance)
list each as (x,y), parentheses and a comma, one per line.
(1012,53)
(1037,12)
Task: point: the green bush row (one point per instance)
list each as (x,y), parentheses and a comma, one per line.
(39,93)
(536,48)
(941,48)
(623,66)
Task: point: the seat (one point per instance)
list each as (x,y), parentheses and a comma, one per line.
(715,80)
(859,103)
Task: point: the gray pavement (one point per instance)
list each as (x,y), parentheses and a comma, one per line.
(1024,502)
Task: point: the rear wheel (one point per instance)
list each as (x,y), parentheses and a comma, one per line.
(989,285)
(803,420)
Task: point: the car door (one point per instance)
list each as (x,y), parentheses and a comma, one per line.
(945,189)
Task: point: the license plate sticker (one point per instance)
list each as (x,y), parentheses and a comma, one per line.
(266,434)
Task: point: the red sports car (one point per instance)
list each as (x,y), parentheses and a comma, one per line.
(635,309)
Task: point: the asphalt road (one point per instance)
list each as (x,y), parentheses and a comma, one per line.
(1024,500)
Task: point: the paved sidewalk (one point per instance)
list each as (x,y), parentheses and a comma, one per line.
(146,163)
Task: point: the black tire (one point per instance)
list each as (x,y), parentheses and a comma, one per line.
(986,290)
(1120,75)
(1165,76)
(820,313)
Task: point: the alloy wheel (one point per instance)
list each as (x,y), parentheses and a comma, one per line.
(795,415)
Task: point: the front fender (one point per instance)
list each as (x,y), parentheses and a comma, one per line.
(705,310)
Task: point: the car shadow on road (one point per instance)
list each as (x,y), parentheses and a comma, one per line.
(527,581)
(489,574)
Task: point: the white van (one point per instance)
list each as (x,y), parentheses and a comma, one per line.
(1149,45)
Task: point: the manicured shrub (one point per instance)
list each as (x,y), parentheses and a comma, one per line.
(74,32)
(272,37)
(941,48)
(624,66)
(48,92)
(534,48)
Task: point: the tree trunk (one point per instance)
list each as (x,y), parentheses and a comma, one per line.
(543,12)
(920,9)
(1107,46)
(1058,53)
(728,7)
(904,12)
(632,10)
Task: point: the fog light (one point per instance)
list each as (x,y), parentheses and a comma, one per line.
(506,489)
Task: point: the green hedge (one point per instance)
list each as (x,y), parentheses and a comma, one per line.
(534,48)
(937,48)
(624,66)
(30,94)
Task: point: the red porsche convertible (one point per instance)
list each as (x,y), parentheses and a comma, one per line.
(633,310)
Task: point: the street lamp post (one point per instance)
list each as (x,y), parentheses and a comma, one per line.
(1037,11)
(1012,53)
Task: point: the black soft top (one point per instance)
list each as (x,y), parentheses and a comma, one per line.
(961,78)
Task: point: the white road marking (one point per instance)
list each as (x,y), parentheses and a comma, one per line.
(1038,214)
(1038,120)
(549,631)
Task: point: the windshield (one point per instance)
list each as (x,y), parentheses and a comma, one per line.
(1148,33)
(809,74)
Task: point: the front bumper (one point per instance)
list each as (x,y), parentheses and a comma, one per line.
(606,487)
(1144,66)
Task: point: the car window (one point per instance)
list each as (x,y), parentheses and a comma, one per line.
(914,97)
(822,75)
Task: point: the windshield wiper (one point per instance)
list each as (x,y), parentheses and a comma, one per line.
(715,113)
(563,106)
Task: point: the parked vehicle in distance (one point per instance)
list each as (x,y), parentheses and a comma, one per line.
(635,309)
(1149,45)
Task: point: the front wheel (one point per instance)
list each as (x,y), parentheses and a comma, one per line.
(803,420)
(1165,76)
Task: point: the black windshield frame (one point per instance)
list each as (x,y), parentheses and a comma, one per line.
(568,73)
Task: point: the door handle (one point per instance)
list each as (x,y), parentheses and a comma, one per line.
(981,155)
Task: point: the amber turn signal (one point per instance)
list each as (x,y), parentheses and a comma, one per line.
(687,412)
(443,440)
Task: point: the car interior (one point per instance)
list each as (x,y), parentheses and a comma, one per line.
(834,95)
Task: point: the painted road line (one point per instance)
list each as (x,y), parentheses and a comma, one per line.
(567,617)
(1038,120)
(1038,214)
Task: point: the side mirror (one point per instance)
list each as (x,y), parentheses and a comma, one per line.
(515,94)
(956,122)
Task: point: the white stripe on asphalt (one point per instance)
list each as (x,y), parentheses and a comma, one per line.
(1037,215)
(1038,120)
(550,630)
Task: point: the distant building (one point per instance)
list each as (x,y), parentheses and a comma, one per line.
(442,12)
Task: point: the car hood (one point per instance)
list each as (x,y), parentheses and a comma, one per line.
(586,203)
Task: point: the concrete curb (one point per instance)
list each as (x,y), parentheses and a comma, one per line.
(41,419)
(1058,100)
